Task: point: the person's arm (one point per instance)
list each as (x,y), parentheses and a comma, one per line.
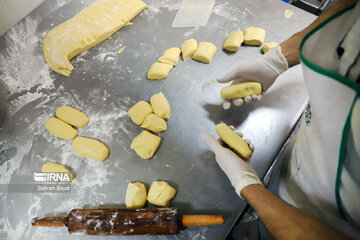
(290,47)
(285,221)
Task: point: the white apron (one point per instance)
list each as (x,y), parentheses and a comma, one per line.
(323,174)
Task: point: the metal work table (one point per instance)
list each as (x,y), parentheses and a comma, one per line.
(105,85)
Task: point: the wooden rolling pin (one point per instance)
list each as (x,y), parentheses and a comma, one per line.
(153,221)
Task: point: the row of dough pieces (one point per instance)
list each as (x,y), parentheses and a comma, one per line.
(205,51)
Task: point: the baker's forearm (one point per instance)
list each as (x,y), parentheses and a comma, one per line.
(290,48)
(285,221)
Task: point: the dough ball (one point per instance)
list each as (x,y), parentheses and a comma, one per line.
(160,105)
(170,56)
(139,111)
(268,46)
(254,36)
(90,148)
(145,144)
(233,41)
(188,48)
(72,116)
(241,90)
(161,193)
(60,129)
(56,168)
(205,52)
(154,123)
(136,195)
(159,71)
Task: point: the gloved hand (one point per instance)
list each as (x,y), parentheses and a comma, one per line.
(239,172)
(264,69)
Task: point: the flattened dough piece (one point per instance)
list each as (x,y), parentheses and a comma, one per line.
(254,36)
(268,46)
(56,167)
(233,140)
(154,123)
(159,70)
(90,148)
(241,90)
(161,193)
(188,48)
(160,105)
(170,56)
(233,41)
(136,195)
(205,52)
(89,27)
(139,111)
(60,129)
(145,144)
(72,116)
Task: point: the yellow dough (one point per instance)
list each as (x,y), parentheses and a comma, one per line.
(72,116)
(57,168)
(161,193)
(90,148)
(170,56)
(160,105)
(60,129)
(154,123)
(145,144)
(159,70)
(233,41)
(188,48)
(139,111)
(254,36)
(268,46)
(233,140)
(241,90)
(136,195)
(204,52)
(89,27)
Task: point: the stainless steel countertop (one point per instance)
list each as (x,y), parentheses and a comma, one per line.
(103,88)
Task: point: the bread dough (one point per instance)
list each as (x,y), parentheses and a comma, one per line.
(170,56)
(205,52)
(268,46)
(145,144)
(139,111)
(160,105)
(89,27)
(154,123)
(161,193)
(60,129)
(72,116)
(136,195)
(254,36)
(241,90)
(233,41)
(159,70)
(188,48)
(90,148)
(57,168)
(233,140)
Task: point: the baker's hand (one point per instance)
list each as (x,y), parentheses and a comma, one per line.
(264,69)
(239,172)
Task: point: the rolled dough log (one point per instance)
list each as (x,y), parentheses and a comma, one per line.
(160,105)
(139,111)
(170,56)
(254,36)
(56,168)
(233,41)
(233,140)
(90,148)
(145,144)
(136,195)
(241,90)
(159,70)
(60,129)
(89,27)
(161,193)
(188,48)
(268,46)
(154,123)
(205,52)
(72,116)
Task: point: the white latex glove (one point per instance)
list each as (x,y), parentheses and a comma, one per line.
(239,172)
(264,69)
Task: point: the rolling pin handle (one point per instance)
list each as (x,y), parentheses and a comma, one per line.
(201,220)
(50,221)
